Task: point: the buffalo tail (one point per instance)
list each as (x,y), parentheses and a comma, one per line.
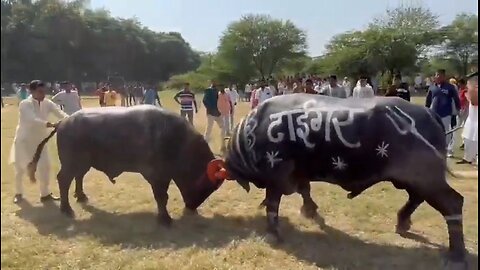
(32,166)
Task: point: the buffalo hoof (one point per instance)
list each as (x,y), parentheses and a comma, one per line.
(263,204)
(67,211)
(451,265)
(308,212)
(190,212)
(81,198)
(403,226)
(165,220)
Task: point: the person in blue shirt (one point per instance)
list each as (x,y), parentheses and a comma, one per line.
(210,101)
(150,96)
(440,97)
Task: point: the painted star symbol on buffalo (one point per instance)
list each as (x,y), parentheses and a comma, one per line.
(382,149)
(338,163)
(272,158)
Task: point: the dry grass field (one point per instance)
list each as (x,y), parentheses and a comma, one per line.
(117,228)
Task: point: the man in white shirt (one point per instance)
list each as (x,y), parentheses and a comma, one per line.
(418,82)
(333,89)
(470,129)
(233,95)
(263,93)
(363,90)
(68,99)
(32,128)
(347,86)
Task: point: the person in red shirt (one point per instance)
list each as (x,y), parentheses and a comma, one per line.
(463,114)
(309,87)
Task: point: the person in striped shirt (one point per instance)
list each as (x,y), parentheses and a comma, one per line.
(186,99)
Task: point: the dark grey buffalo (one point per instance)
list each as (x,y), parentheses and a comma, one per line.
(291,140)
(144,139)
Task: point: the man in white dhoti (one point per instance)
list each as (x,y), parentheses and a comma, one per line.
(470,129)
(32,128)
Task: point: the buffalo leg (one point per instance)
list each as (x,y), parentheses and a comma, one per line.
(403,216)
(64,181)
(309,207)
(273,203)
(449,203)
(160,192)
(79,194)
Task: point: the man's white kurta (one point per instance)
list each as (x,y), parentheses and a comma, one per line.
(363,92)
(70,101)
(470,130)
(261,96)
(32,129)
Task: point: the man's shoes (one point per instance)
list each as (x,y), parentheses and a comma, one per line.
(18,198)
(463,161)
(449,155)
(49,198)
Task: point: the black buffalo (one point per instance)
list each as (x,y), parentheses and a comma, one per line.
(144,139)
(291,140)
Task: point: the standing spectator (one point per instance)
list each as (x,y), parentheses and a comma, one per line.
(110,97)
(22,92)
(32,128)
(298,86)
(470,130)
(453,121)
(210,100)
(347,86)
(151,96)
(224,106)
(362,89)
(253,99)
(248,91)
(464,104)
(101,95)
(131,98)
(138,94)
(309,89)
(428,83)
(333,89)
(418,82)
(263,93)
(439,99)
(233,94)
(282,87)
(68,99)
(186,99)
(398,88)
(288,88)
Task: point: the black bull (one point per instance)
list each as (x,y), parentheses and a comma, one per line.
(144,139)
(291,140)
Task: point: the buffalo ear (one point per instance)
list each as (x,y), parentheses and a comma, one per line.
(245,185)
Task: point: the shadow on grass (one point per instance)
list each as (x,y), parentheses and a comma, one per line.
(330,248)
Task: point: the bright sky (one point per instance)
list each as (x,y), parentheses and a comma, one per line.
(201,22)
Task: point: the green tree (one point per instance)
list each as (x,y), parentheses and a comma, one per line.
(63,40)
(461,42)
(260,43)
